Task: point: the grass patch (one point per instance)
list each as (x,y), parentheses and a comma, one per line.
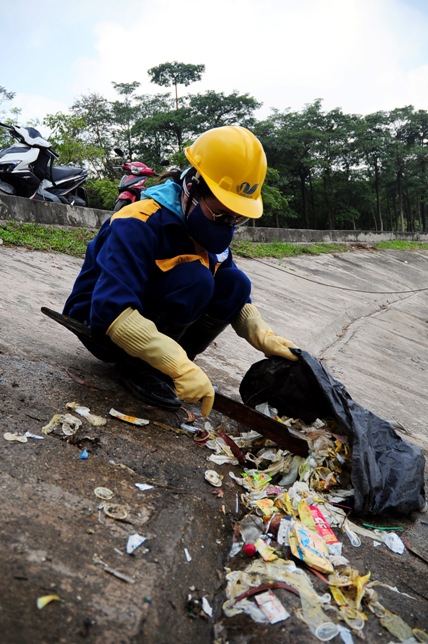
(396,244)
(70,241)
(73,241)
(278,249)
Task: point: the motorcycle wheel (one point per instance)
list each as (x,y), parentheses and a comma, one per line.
(121,203)
(7,189)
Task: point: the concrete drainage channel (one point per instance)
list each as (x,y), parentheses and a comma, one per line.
(356,310)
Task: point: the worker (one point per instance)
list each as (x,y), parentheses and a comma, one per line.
(159,284)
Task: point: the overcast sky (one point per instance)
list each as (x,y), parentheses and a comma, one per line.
(359,55)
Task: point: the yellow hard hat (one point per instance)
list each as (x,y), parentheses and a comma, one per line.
(232,162)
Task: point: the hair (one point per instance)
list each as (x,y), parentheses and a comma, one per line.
(173,173)
(198,187)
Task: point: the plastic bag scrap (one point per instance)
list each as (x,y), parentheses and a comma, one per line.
(46,599)
(68,423)
(85,412)
(134,541)
(387,472)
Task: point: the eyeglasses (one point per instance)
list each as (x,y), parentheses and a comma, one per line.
(225,218)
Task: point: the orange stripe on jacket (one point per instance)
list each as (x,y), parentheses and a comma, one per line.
(142,210)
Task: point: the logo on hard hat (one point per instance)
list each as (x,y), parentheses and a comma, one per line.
(246,190)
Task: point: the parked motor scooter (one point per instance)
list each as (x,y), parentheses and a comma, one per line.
(27,170)
(132,182)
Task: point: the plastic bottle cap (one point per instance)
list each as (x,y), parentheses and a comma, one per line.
(250,549)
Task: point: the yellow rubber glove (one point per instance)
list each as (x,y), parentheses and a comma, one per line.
(250,325)
(140,338)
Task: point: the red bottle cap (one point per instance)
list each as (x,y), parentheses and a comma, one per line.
(250,549)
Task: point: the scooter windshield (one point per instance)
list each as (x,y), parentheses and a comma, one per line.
(31,136)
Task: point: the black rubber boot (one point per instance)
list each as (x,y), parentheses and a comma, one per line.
(174,330)
(200,335)
(148,384)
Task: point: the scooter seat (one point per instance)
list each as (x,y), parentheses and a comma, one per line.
(60,173)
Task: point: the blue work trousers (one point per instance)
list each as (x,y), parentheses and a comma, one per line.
(184,293)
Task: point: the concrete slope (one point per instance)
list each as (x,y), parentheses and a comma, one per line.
(363,313)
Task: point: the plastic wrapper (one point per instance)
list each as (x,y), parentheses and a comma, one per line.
(14,437)
(266,551)
(85,412)
(251,528)
(387,472)
(272,607)
(322,526)
(134,541)
(308,546)
(393,542)
(133,420)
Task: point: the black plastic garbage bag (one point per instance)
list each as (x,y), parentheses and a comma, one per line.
(387,472)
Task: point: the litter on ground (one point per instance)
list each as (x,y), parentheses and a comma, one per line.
(295,523)
(85,412)
(46,599)
(134,541)
(133,420)
(298,507)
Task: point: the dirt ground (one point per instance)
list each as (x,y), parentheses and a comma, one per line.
(364,313)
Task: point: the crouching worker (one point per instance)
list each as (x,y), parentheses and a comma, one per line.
(158,283)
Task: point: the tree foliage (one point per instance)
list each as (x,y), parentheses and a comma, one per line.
(214,110)
(327,169)
(5,96)
(175,74)
(69,139)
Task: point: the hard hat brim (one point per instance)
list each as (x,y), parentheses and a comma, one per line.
(246,207)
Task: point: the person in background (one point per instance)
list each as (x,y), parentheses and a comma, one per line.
(159,284)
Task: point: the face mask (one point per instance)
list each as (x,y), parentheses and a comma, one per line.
(215,238)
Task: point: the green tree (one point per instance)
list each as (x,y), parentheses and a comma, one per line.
(213,109)
(416,135)
(68,139)
(175,74)
(125,114)
(102,193)
(161,129)
(290,144)
(5,96)
(395,157)
(373,141)
(276,211)
(334,154)
(326,169)
(95,124)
